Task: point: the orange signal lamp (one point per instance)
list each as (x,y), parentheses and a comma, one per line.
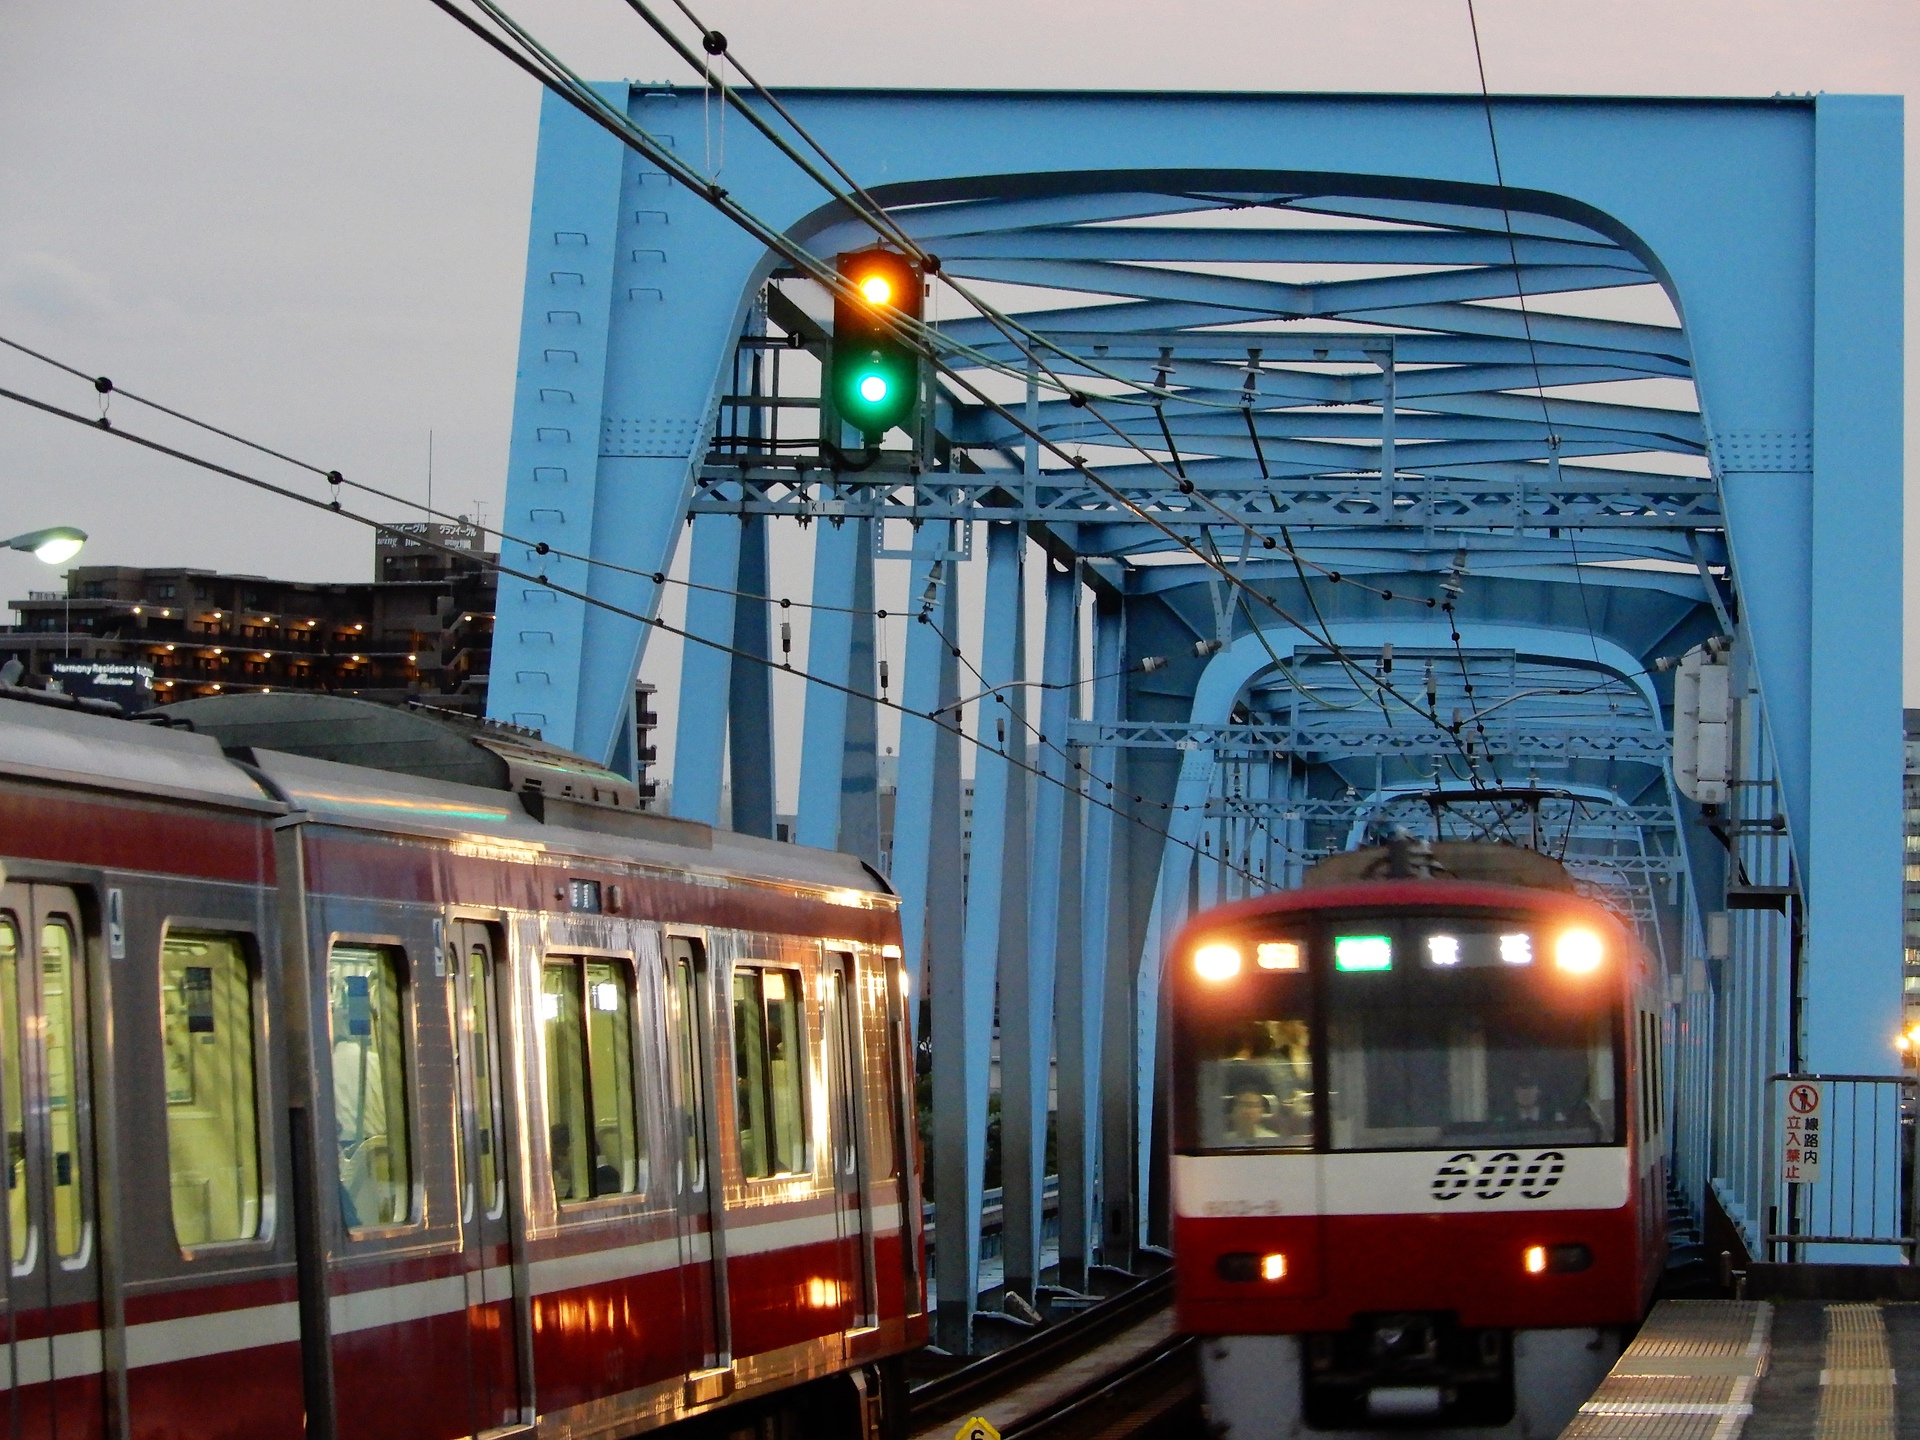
(877,289)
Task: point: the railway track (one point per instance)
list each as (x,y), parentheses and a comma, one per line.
(1116,1372)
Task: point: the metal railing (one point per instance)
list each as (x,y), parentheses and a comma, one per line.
(1860,1189)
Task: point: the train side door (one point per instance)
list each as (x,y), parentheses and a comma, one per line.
(497,1310)
(54,1278)
(703,1259)
(846,1072)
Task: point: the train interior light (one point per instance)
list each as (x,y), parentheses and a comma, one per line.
(1277,955)
(1578,951)
(1216,962)
(1516,948)
(1444,950)
(1362,952)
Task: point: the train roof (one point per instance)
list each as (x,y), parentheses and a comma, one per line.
(1374,895)
(563,804)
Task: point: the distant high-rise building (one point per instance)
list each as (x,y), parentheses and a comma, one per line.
(1910,876)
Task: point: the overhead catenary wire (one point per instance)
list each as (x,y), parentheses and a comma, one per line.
(851,691)
(335,478)
(578,93)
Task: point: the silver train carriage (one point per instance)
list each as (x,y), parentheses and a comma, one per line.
(467,1101)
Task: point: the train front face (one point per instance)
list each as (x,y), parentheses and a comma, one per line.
(1404,1186)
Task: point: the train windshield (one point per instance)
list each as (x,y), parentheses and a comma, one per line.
(1399,1033)
(1452,1031)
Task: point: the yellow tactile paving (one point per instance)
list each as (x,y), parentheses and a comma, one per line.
(1856,1386)
(1689,1375)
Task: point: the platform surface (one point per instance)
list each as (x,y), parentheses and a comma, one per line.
(1751,1370)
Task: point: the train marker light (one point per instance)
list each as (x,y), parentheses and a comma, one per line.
(1578,951)
(1216,962)
(1443,950)
(1362,952)
(1516,949)
(1273,1267)
(1277,955)
(1568,1259)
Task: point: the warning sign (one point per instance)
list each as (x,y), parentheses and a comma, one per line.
(978,1428)
(1803,1112)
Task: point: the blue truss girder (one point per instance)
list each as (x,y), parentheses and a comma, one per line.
(1343,346)
(1606,336)
(1351,247)
(1537,499)
(1323,300)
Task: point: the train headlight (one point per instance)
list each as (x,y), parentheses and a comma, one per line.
(1216,962)
(1535,1260)
(1273,1267)
(1579,952)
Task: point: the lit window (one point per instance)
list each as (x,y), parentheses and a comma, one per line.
(769,1065)
(213,1142)
(366,999)
(593,1138)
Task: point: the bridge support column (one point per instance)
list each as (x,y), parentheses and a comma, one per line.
(1109,962)
(1053,933)
(750,698)
(839,789)
(706,674)
(927,801)
(995,937)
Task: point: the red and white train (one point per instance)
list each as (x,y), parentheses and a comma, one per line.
(1417,1169)
(345,1103)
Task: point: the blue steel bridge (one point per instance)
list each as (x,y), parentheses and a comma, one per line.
(1398,474)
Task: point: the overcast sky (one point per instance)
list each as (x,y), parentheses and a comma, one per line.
(307,218)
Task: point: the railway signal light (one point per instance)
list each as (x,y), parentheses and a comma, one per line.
(874,371)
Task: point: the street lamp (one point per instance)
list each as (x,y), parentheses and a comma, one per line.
(55,545)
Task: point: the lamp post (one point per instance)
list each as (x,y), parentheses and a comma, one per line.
(54,545)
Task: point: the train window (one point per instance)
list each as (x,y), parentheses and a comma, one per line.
(486,1106)
(769,1062)
(1254,1086)
(1500,1053)
(366,995)
(59,1001)
(11,1040)
(689,1103)
(586,1012)
(213,1140)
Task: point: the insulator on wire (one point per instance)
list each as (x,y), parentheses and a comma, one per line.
(786,638)
(883,674)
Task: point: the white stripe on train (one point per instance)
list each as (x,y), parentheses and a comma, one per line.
(193,1337)
(1402,1182)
